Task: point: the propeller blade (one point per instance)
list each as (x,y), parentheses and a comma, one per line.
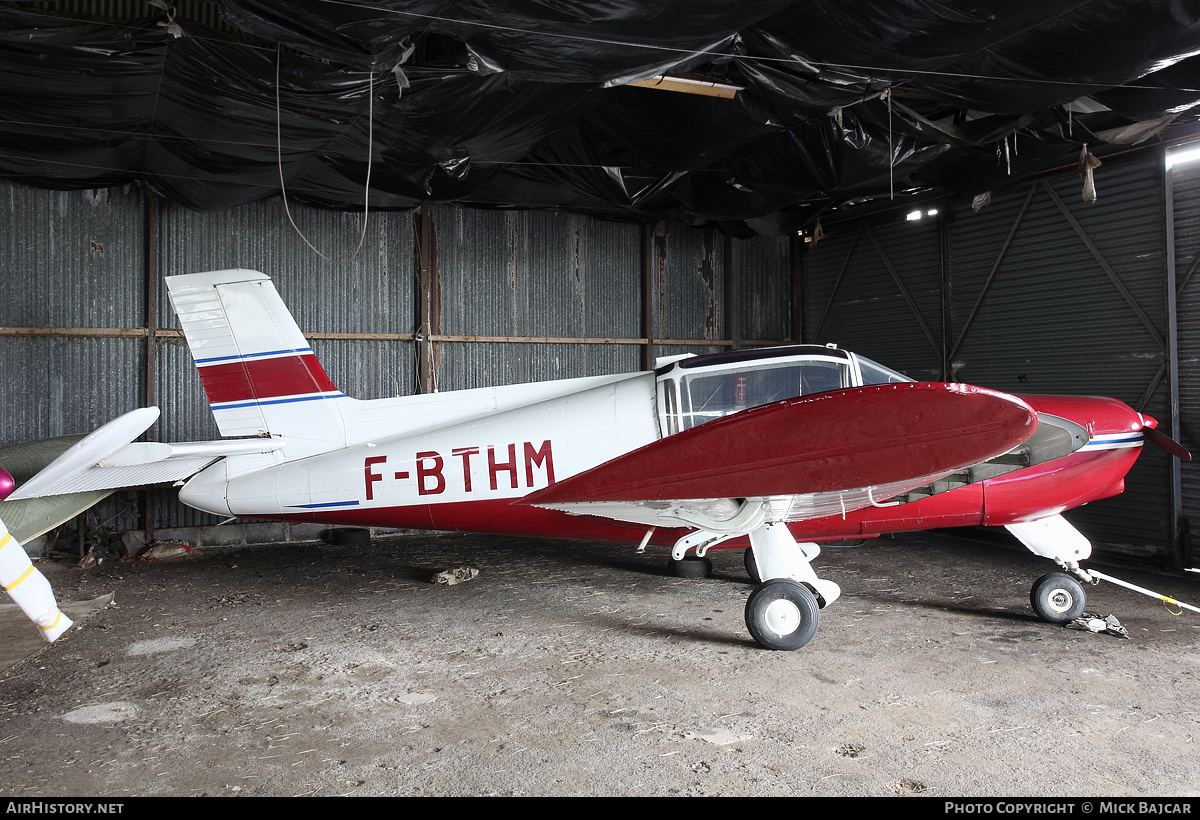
(1167,443)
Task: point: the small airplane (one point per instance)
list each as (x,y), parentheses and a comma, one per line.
(772,450)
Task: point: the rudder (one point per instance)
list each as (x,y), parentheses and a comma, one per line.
(259,373)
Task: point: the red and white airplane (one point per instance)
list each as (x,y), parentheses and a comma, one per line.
(776,449)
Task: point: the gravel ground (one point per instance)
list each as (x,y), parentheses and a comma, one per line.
(583,669)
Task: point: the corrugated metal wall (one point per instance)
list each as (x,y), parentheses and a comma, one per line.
(1034,287)
(534,275)
(1185,195)
(876,290)
(519,296)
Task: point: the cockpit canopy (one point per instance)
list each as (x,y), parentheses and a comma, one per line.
(699,389)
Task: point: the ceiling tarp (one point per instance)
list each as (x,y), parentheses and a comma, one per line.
(527,104)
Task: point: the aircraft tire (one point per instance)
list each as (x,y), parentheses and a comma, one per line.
(1057,598)
(690,566)
(782,614)
(352,536)
(751,566)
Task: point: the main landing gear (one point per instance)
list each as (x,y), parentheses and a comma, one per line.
(782,614)
(784,610)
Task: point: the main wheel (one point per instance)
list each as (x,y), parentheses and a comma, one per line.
(690,566)
(782,614)
(1057,598)
(751,566)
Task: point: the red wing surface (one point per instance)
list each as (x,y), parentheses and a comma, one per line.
(846,439)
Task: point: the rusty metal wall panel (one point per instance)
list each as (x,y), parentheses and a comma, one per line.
(78,257)
(367,369)
(538,274)
(764,269)
(373,293)
(69,386)
(467,365)
(60,386)
(534,274)
(75,259)
(688,274)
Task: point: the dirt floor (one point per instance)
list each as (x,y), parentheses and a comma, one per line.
(583,669)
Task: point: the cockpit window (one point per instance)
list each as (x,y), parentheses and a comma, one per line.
(875,373)
(706,396)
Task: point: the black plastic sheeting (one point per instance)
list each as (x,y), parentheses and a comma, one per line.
(524,104)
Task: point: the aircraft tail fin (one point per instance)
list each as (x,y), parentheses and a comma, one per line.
(259,373)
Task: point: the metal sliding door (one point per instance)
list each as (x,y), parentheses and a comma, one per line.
(1039,292)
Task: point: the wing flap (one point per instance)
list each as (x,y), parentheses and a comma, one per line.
(861,438)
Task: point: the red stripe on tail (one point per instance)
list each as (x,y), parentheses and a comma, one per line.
(264,378)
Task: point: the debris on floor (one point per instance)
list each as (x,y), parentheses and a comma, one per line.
(1089,622)
(454,576)
(137,548)
(162,550)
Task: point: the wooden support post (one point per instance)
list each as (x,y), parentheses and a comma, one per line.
(733,295)
(429,296)
(648,296)
(795,252)
(146,501)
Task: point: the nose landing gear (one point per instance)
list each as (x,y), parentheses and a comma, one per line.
(1058,598)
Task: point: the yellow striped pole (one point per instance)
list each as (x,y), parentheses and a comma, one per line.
(29,588)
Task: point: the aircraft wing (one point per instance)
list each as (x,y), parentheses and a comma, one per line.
(826,453)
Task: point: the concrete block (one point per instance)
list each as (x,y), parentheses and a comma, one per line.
(226,536)
(300,533)
(265,532)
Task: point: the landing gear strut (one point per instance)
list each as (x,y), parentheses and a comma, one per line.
(784,610)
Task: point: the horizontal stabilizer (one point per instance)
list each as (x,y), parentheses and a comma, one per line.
(108,459)
(89,450)
(847,439)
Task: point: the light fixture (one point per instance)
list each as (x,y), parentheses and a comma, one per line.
(913,216)
(689,85)
(1183,155)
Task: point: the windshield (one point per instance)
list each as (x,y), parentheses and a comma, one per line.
(875,373)
(705,396)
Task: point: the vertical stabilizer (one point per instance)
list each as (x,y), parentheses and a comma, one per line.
(260,375)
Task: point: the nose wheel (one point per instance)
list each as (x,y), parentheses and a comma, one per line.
(1057,598)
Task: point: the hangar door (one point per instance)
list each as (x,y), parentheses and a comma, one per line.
(1183,191)
(1038,292)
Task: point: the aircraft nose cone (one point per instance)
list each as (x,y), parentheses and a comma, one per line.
(7,485)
